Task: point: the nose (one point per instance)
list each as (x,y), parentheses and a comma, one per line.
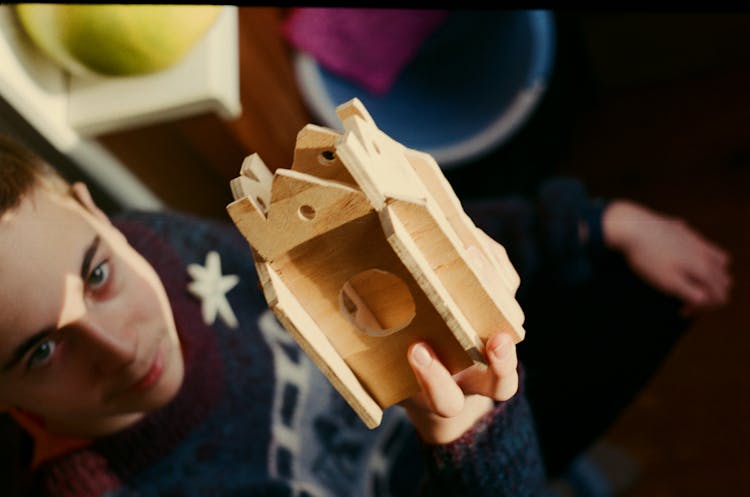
(109,347)
(101,332)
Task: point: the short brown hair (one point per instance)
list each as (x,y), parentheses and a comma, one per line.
(21,170)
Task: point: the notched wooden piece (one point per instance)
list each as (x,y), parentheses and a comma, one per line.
(362,248)
(315,154)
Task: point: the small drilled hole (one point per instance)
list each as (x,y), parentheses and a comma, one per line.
(327,157)
(260,202)
(306,212)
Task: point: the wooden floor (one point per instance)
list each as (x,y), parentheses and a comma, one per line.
(635,110)
(682,145)
(689,157)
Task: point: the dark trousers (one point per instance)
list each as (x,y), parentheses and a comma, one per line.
(590,349)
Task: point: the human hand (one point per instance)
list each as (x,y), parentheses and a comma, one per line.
(669,254)
(448,405)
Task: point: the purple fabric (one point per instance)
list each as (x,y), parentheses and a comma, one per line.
(370,47)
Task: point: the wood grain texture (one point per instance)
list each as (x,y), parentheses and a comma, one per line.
(316,345)
(376,267)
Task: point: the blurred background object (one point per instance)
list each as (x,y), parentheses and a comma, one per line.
(91,40)
(59,112)
(468,81)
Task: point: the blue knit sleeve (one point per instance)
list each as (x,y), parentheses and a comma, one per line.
(592,216)
(542,235)
(499,456)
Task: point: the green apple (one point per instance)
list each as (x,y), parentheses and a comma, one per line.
(116,39)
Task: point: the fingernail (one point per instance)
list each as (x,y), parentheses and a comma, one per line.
(501,348)
(421,355)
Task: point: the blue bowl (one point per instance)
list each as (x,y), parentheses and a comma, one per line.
(470,87)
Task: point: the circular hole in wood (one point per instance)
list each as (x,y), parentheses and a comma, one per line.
(306,212)
(377,302)
(327,157)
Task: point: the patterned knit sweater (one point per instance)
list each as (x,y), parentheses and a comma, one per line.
(255,417)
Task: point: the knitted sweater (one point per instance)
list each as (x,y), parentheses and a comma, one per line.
(255,417)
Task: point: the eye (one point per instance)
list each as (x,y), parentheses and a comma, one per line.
(98,276)
(42,354)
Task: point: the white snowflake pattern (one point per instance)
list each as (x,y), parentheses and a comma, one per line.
(211,287)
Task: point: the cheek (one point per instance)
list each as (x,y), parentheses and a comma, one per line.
(144,304)
(141,303)
(73,391)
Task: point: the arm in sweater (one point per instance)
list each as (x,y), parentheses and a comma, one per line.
(499,456)
(563,234)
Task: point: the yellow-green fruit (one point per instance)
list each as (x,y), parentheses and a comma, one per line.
(116,40)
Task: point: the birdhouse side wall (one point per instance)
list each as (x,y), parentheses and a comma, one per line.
(316,271)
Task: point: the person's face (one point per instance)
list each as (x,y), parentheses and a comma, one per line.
(87,337)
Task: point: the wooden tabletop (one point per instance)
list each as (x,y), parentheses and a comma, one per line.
(189,162)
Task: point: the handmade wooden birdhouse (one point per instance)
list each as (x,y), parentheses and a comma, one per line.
(361,250)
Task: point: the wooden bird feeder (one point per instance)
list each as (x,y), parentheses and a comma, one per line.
(361,250)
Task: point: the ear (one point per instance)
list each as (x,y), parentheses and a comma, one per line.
(81,193)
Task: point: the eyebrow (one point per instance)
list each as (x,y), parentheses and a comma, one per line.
(88,256)
(24,347)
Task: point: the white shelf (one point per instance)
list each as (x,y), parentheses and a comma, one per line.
(69,111)
(207,80)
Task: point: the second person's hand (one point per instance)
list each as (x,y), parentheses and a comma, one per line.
(669,254)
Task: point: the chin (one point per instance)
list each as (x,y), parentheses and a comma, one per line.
(162,392)
(171,381)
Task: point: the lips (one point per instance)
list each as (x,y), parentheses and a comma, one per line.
(152,375)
